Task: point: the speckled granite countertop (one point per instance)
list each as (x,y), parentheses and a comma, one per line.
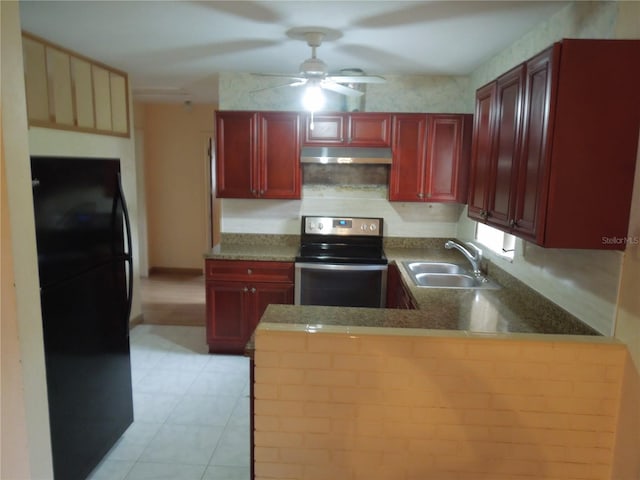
(274,248)
(512,309)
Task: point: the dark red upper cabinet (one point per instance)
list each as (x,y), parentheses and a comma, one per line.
(325,129)
(480,170)
(348,129)
(430,157)
(369,130)
(505,152)
(279,155)
(528,213)
(573,162)
(448,149)
(406,178)
(236,144)
(258,155)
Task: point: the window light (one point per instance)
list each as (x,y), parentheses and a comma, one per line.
(495,240)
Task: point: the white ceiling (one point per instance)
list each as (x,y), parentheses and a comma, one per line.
(179,47)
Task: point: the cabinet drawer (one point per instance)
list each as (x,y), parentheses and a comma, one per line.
(255,271)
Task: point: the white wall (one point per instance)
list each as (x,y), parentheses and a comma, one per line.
(402,219)
(410,93)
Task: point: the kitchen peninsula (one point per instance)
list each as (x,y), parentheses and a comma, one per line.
(483,383)
(337,400)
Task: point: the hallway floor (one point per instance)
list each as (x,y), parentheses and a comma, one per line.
(173,299)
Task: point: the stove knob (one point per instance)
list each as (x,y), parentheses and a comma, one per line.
(320,226)
(373,227)
(363,226)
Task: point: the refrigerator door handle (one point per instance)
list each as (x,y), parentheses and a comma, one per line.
(128,255)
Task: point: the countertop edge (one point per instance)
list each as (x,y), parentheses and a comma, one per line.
(427,332)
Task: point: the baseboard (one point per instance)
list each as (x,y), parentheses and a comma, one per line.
(134,322)
(181,271)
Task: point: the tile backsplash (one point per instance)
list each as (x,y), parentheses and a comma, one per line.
(402,219)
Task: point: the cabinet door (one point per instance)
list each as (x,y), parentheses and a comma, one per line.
(264,294)
(482,144)
(35,76)
(447,158)
(533,158)
(327,129)
(235,154)
(279,158)
(227,314)
(508,109)
(369,130)
(406,178)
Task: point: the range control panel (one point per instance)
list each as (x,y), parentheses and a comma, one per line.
(342,226)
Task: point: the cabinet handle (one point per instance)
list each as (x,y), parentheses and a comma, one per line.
(249,271)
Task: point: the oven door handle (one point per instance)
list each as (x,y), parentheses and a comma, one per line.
(340,266)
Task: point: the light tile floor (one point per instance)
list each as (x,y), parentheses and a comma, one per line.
(191,411)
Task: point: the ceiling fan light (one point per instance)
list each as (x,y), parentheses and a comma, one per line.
(313,98)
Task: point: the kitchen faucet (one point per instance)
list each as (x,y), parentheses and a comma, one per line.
(474,259)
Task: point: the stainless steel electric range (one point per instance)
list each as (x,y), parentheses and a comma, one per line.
(341,262)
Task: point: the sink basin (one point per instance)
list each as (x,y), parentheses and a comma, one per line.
(445,275)
(434,267)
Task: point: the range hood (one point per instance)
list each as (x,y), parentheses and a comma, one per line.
(347,155)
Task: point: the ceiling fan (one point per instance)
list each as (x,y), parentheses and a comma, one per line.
(314,73)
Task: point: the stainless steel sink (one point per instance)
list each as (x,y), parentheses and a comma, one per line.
(445,275)
(418,267)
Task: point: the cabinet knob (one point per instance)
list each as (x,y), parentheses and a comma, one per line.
(249,271)
(261,192)
(513,223)
(245,289)
(421,195)
(253,290)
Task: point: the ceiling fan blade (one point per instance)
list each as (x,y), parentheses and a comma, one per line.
(292,76)
(357,79)
(290,84)
(341,89)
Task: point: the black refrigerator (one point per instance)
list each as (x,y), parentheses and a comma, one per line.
(84,261)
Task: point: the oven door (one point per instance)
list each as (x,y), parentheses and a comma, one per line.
(342,285)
